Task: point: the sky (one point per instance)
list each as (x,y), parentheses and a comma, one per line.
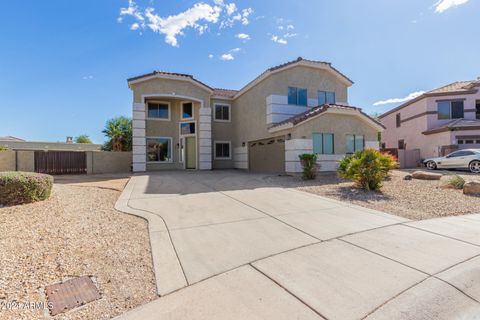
(64,65)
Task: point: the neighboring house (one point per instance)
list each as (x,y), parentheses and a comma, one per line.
(297,107)
(20,144)
(437,122)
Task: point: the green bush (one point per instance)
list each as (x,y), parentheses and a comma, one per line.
(24,187)
(367,168)
(456,182)
(309,164)
(3,148)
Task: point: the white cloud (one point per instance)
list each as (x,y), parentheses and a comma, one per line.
(243,36)
(210,56)
(87,77)
(235,50)
(227,57)
(289,35)
(411,96)
(443,5)
(231,8)
(290,27)
(173,26)
(279,40)
(199,17)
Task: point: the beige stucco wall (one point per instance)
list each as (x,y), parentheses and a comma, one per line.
(171,129)
(26,161)
(7,160)
(339,125)
(249,110)
(170,87)
(222,131)
(108,162)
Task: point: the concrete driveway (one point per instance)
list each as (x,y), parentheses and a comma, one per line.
(232,245)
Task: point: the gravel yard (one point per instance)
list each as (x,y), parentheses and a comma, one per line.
(76,232)
(414,199)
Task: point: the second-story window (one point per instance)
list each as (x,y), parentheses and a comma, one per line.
(297,96)
(398,120)
(326,97)
(450,110)
(222,112)
(159,110)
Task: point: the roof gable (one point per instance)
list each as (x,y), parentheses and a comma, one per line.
(169,76)
(298,62)
(322,110)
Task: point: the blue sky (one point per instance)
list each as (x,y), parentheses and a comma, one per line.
(64,64)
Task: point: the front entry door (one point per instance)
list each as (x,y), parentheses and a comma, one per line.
(191,153)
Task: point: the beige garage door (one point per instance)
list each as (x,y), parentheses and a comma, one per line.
(267,156)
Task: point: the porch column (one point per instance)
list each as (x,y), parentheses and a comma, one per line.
(205,139)
(139,149)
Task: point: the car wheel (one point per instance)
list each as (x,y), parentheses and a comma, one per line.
(431,165)
(474,166)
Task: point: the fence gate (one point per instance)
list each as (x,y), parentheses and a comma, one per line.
(60,162)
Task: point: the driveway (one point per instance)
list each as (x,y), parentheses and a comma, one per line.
(233,245)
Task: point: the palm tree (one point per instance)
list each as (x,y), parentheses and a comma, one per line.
(119,132)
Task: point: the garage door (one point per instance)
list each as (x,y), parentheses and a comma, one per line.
(267,156)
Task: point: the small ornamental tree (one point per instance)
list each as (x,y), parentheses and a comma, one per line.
(367,168)
(309,165)
(83,138)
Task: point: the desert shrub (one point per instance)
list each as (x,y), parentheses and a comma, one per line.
(24,187)
(456,182)
(3,148)
(367,168)
(309,165)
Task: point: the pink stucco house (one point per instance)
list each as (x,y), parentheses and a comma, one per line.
(439,121)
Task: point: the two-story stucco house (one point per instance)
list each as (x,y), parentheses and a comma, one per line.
(297,107)
(439,121)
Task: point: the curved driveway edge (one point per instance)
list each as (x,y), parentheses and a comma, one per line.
(246,248)
(169,275)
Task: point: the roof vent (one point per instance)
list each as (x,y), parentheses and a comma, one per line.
(69,140)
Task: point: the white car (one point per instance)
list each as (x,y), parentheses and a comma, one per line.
(462,159)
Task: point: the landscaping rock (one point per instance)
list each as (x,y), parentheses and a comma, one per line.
(472,187)
(422,175)
(408,177)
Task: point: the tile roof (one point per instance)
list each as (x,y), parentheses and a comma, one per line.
(189,76)
(457,124)
(231,93)
(459,87)
(224,92)
(301,117)
(280,66)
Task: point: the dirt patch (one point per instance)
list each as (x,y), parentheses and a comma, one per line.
(414,199)
(74,233)
(104,181)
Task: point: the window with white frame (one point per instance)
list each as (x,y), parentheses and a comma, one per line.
(323,143)
(222,150)
(187,128)
(187,110)
(222,112)
(158,110)
(159,149)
